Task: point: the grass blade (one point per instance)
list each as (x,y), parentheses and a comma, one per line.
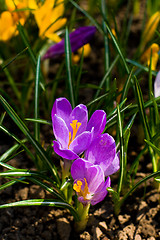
(10,151)
(36,101)
(69,66)
(122,155)
(19,141)
(40,151)
(141,107)
(43,202)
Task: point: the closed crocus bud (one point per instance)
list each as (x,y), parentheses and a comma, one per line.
(146,57)
(150,28)
(78,39)
(157,85)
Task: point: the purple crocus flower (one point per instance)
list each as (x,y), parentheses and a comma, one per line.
(89,182)
(102,152)
(72,130)
(78,38)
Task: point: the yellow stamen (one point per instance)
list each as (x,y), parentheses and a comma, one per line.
(77,188)
(75,126)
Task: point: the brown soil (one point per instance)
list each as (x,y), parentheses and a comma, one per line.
(139,218)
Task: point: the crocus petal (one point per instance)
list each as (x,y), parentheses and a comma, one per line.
(98,121)
(64,153)
(113,167)
(79,168)
(95,177)
(60,131)
(157,85)
(62,108)
(81,142)
(81,36)
(78,38)
(102,151)
(100,195)
(80,113)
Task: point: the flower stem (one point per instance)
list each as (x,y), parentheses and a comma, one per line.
(83,214)
(66,168)
(66,165)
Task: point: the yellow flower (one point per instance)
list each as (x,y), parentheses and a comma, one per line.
(6,32)
(12,17)
(20,16)
(12,4)
(87,50)
(153,49)
(48,18)
(150,28)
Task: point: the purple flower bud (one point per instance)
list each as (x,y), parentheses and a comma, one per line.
(157,85)
(78,38)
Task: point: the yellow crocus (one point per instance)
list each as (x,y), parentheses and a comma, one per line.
(12,17)
(86,52)
(7,32)
(150,28)
(48,18)
(12,4)
(153,49)
(20,15)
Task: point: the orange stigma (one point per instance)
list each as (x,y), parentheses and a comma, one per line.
(75,126)
(78,188)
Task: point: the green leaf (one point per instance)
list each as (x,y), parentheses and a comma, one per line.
(97,99)
(122,155)
(40,151)
(69,66)
(93,21)
(36,101)
(43,202)
(65,184)
(8,184)
(38,121)
(10,151)
(46,187)
(19,141)
(153,146)
(153,175)
(141,107)
(140,66)
(106,76)
(31,53)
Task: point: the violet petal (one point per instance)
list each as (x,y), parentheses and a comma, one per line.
(101,194)
(79,168)
(81,142)
(113,167)
(102,151)
(60,131)
(64,153)
(80,113)
(98,121)
(62,108)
